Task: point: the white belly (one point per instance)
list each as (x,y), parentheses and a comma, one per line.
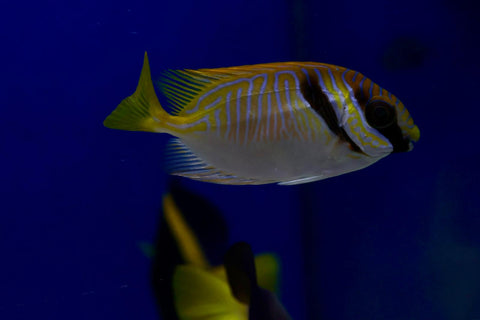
(278,161)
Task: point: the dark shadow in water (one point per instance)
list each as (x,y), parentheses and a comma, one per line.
(454,241)
(404,52)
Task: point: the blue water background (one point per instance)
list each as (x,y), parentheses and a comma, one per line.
(398,240)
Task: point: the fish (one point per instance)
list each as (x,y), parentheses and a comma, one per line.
(189,227)
(287,123)
(231,291)
(187,284)
(242,278)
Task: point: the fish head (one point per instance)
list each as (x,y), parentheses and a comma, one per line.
(377,121)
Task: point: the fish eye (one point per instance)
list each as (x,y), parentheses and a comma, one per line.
(380,114)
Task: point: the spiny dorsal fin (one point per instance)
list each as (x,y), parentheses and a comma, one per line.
(182,87)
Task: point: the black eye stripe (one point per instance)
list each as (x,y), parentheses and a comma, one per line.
(382,116)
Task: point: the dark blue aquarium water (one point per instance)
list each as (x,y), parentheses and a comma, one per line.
(397,240)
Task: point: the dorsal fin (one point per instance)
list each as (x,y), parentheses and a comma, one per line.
(182,87)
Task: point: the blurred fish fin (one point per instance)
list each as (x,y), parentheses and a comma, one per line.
(241,274)
(220,272)
(300,181)
(200,295)
(181,161)
(141,111)
(188,244)
(268,271)
(265,306)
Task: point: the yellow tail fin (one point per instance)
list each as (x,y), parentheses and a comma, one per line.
(142,110)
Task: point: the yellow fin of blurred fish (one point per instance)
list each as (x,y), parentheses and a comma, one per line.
(268,270)
(186,240)
(200,295)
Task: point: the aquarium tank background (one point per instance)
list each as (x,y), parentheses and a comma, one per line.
(397,240)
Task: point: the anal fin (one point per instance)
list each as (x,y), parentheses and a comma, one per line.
(301,180)
(181,161)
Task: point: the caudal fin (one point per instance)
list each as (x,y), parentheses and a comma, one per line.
(141,111)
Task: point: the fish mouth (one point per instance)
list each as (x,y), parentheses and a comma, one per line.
(399,141)
(413,134)
(413,137)
(402,145)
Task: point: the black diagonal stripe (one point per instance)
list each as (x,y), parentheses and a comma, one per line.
(312,92)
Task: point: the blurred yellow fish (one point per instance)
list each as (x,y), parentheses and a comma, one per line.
(237,291)
(288,123)
(202,291)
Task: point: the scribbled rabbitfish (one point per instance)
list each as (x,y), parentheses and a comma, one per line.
(285,123)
